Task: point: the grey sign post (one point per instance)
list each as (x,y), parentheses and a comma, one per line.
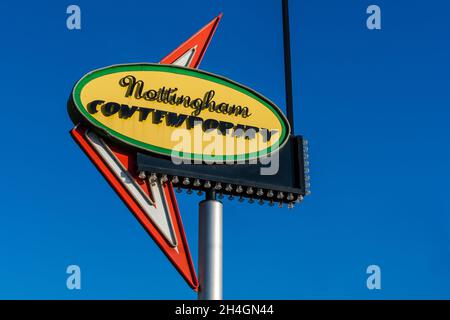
(210,248)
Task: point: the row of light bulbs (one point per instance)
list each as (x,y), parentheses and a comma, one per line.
(219,188)
(306,167)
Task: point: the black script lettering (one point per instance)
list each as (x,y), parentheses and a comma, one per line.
(239,111)
(157,116)
(192,121)
(92,106)
(150,95)
(210,124)
(110,108)
(160,94)
(167,96)
(126,112)
(208,102)
(130,82)
(223,108)
(143,113)
(174,119)
(196,104)
(187,101)
(172,98)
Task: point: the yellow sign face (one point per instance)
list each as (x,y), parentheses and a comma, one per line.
(179,112)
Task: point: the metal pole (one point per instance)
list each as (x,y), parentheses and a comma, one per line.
(210,249)
(287,64)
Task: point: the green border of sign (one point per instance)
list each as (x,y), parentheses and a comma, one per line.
(184,71)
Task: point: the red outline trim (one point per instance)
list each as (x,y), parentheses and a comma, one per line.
(78,135)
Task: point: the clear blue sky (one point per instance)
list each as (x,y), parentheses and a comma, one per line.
(374,104)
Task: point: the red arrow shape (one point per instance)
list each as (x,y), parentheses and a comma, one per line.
(189,54)
(199,42)
(179,255)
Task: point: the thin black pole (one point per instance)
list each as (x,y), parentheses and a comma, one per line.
(287,64)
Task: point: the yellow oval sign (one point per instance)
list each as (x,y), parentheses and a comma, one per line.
(181,112)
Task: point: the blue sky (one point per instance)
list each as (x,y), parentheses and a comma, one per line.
(373,104)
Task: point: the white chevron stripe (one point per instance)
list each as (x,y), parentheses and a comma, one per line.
(157,210)
(186,58)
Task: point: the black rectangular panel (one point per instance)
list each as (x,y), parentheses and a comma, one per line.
(287,185)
